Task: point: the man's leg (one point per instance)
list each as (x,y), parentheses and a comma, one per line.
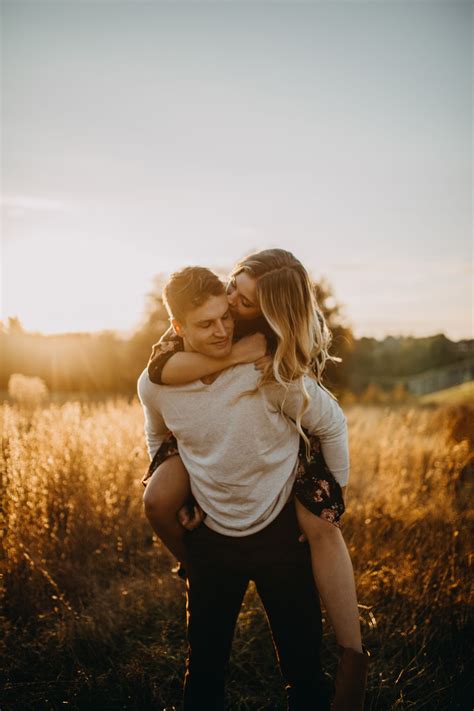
(284,581)
(215,590)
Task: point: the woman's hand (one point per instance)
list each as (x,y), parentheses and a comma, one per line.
(249,349)
(191,517)
(263,363)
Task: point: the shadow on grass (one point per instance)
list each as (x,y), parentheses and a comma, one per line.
(127,651)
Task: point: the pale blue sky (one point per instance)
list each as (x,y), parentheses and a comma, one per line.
(138,137)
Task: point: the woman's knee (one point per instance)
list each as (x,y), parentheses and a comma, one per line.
(319,530)
(154,502)
(315,528)
(167,489)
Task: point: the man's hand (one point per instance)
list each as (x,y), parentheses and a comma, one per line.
(249,348)
(190,517)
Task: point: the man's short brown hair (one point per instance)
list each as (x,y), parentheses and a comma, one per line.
(189,288)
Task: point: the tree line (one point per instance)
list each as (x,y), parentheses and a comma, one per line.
(104,362)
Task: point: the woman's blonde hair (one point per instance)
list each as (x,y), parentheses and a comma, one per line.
(288,303)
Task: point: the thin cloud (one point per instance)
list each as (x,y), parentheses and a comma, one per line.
(25,203)
(436,267)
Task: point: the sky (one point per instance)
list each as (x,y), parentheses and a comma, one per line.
(139,137)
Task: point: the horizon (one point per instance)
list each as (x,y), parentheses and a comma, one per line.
(127,334)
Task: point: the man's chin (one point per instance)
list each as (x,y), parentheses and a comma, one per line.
(221,351)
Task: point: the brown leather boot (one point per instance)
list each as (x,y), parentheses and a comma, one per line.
(351,678)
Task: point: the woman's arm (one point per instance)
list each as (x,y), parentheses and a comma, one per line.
(184,367)
(168,344)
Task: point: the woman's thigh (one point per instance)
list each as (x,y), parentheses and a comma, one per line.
(317,490)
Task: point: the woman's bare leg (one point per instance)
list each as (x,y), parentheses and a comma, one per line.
(166,492)
(334,576)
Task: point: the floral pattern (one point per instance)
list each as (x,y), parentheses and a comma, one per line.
(169,448)
(169,344)
(166,347)
(315,486)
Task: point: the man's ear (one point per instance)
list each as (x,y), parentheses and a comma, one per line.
(177,327)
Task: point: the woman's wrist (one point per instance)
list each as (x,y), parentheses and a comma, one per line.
(233,358)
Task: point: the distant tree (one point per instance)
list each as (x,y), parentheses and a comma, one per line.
(154,323)
(348,398)
(337,374)
(400,394)
(14,326)
(155,317)
(374,395)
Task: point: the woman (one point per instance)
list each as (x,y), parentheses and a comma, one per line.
(270,292)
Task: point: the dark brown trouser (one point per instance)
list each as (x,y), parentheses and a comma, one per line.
(219,570)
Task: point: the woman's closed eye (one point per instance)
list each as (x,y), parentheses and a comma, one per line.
(232,287)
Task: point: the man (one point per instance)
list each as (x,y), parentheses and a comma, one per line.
(240,451)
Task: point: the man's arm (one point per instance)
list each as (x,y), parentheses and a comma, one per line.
(325,419)
(155,426)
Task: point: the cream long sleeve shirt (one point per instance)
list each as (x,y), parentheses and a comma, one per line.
(240,450)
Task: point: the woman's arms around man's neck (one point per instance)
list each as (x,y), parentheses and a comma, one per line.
(184,367)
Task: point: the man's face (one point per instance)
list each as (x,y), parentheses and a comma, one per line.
(208,329)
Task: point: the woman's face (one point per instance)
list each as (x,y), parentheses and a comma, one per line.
(242,297)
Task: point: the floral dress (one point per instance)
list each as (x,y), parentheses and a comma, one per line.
(315,486)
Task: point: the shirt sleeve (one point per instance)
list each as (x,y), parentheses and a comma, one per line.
(169,344)
(324,418)
(155,426)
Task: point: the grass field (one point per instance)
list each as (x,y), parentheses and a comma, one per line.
(92,618)
(457,395)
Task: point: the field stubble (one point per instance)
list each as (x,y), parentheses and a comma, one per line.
(91,617)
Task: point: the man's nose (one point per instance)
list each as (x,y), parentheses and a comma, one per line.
(220,329)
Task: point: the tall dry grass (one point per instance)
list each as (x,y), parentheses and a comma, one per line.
(92,617)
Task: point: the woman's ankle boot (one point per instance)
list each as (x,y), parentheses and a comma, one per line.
(351,679)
